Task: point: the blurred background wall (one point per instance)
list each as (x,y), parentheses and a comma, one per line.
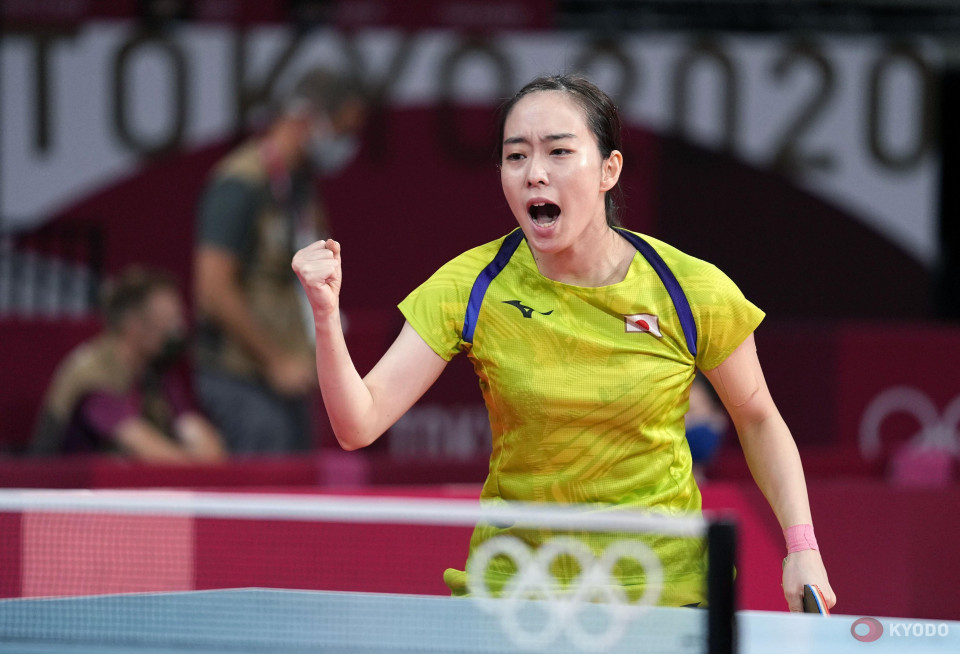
(806,148)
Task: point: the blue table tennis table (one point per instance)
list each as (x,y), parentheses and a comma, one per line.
(262,620)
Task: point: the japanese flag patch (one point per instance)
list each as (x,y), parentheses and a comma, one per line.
(643,322)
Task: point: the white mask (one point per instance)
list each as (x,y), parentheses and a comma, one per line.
(328,151)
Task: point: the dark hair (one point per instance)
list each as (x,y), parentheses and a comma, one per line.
(601,116)
(327,90)
(131,290)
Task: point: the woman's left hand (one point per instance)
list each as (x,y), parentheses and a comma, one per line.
(805,567)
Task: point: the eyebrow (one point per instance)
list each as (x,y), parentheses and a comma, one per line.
(549,137)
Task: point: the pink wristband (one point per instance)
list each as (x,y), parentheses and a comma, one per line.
(799,538)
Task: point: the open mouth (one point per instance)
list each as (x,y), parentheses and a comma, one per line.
(544,213)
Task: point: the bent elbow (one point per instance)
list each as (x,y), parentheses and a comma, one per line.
(348,446)
(354,440)
(351,442)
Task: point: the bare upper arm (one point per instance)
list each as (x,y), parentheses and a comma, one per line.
(403,375)
(215,268)
(741,386)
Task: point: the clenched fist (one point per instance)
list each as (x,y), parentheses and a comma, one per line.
(318,267)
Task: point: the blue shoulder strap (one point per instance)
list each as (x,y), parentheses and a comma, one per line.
(512,241)
(666,276)
(507,248)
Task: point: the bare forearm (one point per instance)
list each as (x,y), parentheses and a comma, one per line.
(143,442)
(348,401)
(200,439)
(774,462)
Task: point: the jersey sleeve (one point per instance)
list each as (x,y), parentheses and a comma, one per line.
(227,213)
(437,307)
(724,317)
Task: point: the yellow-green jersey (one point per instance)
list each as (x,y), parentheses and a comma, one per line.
(587,388)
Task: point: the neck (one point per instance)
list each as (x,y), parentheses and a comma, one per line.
(600,257)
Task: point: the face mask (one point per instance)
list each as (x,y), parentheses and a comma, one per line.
(170,352)
(704,442)
(331,154)
(328,151)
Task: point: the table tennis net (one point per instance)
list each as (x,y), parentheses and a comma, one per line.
(246,572)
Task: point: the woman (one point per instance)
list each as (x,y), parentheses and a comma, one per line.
(585,337)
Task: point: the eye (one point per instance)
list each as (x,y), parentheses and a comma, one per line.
(514,156)
(561,151)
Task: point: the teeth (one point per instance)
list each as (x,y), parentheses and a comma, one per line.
(544,213)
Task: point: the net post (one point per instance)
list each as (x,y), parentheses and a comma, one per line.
(721,597)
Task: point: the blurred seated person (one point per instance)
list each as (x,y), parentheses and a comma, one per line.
(120,391)
(706,422)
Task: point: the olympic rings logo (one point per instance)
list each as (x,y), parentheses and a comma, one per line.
(594,587)
(938,432)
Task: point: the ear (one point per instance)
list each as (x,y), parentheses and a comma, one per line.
(610,170)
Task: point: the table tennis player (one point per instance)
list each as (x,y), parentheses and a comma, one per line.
(585,337)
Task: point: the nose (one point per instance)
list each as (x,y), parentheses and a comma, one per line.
(536,172)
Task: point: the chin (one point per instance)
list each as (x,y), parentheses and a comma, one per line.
(544,243)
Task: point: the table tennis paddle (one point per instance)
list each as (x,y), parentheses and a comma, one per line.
(813,601)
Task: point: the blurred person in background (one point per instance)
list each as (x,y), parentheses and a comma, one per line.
(706,421)
(256,374)
(121,392)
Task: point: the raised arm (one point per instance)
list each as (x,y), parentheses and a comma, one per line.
(773,459)
(360,409)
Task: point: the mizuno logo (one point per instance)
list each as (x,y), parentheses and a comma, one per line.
(525,310)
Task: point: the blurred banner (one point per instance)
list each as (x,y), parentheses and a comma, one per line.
(849,119)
